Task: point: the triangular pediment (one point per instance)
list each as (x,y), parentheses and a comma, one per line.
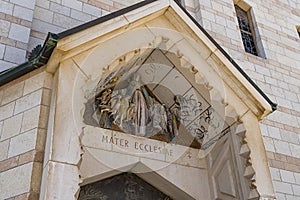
(164,25)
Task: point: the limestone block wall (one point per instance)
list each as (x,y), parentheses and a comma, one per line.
(15,25)
(278,75)
(24,108)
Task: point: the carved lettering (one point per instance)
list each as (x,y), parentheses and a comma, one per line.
(105,138)
(143,147)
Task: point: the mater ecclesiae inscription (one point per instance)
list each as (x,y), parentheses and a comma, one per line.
(140,147)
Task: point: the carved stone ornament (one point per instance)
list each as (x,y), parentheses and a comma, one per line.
(149,97)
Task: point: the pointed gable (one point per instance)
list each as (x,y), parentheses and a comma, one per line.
(151,14)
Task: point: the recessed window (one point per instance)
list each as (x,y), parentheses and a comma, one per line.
(298,30)
(247,31)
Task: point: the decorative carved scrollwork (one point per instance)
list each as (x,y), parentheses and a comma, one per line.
(34,52)
(245,160)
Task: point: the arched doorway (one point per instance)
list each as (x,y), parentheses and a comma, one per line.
(125,186)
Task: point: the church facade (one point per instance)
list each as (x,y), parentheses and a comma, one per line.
(155,99)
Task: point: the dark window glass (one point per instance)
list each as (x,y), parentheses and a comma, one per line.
(246,31)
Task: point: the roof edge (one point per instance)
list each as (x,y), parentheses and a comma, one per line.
(103,18)
(272,104)
(51,41)
(40,60)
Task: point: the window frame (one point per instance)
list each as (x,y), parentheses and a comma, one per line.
(252,29)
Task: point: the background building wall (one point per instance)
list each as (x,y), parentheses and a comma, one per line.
(15,25)
(24,108)
(24,24)
(278,76)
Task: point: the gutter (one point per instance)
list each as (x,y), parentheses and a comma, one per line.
(40,60)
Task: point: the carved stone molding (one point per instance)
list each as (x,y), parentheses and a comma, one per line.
(232,157)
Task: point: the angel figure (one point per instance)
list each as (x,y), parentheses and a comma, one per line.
(121,112)
(103,108)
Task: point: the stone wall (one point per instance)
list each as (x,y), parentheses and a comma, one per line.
(15,25)
(278,74)
(24,107)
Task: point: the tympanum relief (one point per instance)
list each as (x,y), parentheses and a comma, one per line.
(150,97)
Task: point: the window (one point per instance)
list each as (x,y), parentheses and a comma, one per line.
(298,30)
(247,31)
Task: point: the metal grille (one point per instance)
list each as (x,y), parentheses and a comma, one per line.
(246,31)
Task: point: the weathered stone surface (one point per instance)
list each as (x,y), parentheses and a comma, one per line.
(2,49)
(12,93)
(8,164)
(15,181)
(31,119)
(23,13)
(60,8)
(6,7)
(43,14)
(11,127)
(15,55)
(29,101)
(22,143)
(4,25)
(7,110)
(28,4)
(3,149)
(19,33)
(55,188)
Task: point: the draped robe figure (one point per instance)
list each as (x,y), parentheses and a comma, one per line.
(158,114)
(141,112)
(132,107)
(119,105)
